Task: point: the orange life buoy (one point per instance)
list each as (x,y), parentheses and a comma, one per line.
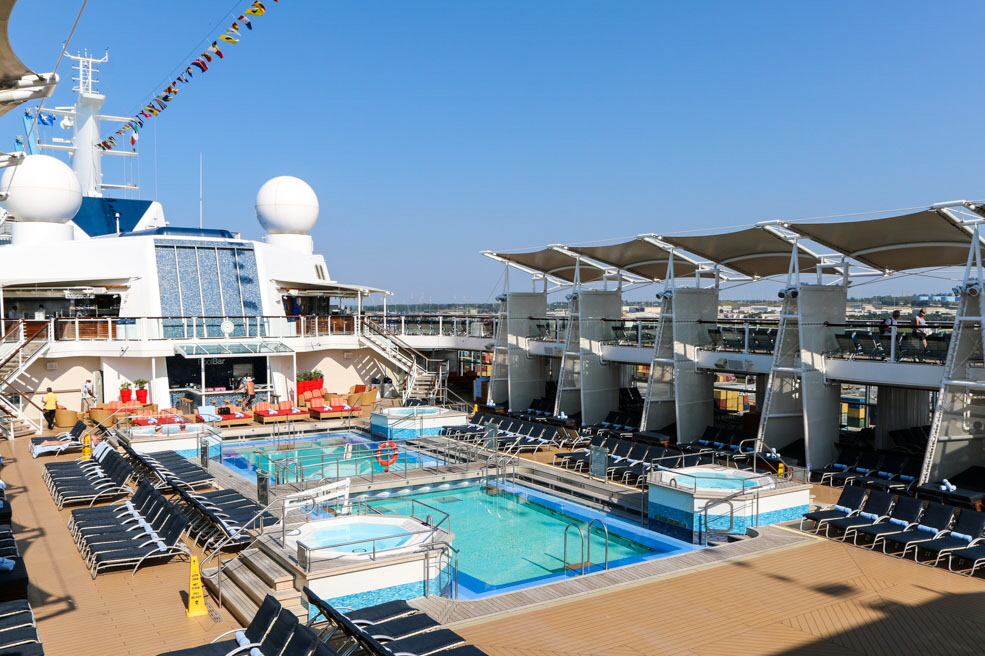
(386,461)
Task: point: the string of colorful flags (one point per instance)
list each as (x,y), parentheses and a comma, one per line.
(199,65)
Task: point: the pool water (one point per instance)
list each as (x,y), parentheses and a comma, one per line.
(339,455)
(411,412)
(712,480)
(509,536)
(337,535)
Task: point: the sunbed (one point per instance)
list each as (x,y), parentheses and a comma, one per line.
(935,520)
(966,530)
(849,502)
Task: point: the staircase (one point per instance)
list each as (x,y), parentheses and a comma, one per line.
(20,347)
(426,377)
(248,578)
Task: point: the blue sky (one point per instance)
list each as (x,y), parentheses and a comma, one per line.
(433,130)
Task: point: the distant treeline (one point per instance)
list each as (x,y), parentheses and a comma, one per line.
(428,308)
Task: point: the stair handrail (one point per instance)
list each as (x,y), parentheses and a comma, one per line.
(25,341)
(375,327)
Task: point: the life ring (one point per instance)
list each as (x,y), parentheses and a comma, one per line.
(386,461)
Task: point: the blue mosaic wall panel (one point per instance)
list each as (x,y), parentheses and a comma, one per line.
(199,279)
(688,526)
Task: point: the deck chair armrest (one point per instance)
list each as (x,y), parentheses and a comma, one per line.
(976,542)
(223,635)
(242,649)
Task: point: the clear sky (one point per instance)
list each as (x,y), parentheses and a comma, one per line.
(431,130)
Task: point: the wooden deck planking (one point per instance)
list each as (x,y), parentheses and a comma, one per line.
(113,614)
(820,598)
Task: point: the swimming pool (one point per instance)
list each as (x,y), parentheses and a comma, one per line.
(328,456)
(511,537)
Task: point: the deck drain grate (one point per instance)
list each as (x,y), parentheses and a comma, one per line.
(213,612)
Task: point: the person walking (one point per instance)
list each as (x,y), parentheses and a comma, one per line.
(88,395)
(50,405)
(921,330)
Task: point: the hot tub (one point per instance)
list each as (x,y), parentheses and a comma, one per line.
(710,478)
(359,537)
(708,502)
(412,422)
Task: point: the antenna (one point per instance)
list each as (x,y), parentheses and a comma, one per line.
(200,194)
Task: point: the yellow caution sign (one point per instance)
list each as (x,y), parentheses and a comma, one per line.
(196,595)
(86,446)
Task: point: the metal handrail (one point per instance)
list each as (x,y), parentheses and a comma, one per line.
(564,551)
(605,529)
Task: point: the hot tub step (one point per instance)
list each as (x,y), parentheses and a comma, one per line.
(248,580)
(271,572)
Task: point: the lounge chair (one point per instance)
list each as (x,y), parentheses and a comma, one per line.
(420,644)
(264,413)
(905,513)
(866,465)
(65,441)
(252,634)
(875,508)
(966,529)
(160,547)
(107,482)
(974,553)
(846,458)
(849,502)
(208,414)
(935,520)
(18,629)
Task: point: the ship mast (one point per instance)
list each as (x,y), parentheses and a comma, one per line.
(85,118)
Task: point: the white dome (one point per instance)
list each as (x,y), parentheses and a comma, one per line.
(287,206)
(42,189)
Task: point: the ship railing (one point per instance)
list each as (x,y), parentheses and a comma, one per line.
(437,325)
(262,327)
(304,470)
(627,332)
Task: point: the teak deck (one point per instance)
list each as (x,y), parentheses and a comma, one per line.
(806,596)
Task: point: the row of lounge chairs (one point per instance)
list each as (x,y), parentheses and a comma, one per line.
(168,468)
(728,338)
(909,346)
(512,435)
(18,629)
(104,477)
(389,629)
(145,530)
(900,475)
(902,525)
(221,518)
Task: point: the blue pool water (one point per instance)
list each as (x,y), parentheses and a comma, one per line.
(716,481)
(338,535)
(510,536)
(335,455)
(410,412)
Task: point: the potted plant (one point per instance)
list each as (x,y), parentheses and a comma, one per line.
(125,393)
(309,380)
(141,390)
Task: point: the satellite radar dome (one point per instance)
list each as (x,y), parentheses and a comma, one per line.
(287,205)
(41,189)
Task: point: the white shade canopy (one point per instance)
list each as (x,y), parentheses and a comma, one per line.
(930,238)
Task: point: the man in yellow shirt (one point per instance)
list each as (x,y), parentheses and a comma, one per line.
(50,405)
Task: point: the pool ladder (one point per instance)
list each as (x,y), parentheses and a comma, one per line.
(585,551)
